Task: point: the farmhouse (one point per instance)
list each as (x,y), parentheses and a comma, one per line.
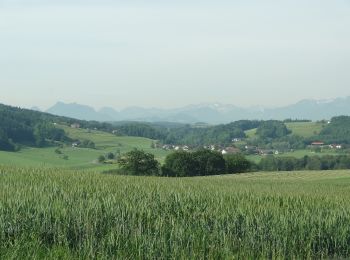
(266,152)
(167,147)
(75,125)
(318,143)
(230,150)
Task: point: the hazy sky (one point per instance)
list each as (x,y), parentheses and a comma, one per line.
(173,53)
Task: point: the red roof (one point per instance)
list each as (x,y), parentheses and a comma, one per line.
(317,143)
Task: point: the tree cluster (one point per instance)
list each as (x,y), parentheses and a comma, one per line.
(183,164)
(272,129)
(87,144)
(327,162)
(138,162)
(337,131)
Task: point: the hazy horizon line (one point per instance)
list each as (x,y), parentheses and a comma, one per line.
(204,103)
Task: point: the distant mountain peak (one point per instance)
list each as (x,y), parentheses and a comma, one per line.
(212,113)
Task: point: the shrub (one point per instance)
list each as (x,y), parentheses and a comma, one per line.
(88,144)
(101,159)
(110,156)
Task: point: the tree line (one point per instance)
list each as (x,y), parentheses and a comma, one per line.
(206,163)
(202,163)
(326,162)
(183,164)
(189,134)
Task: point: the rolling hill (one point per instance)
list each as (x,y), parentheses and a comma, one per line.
(79,158)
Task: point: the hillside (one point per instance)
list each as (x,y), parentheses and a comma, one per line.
(303,129)
(79,158)
(23,127)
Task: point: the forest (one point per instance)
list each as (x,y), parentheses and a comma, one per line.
(194,135)
(24,127)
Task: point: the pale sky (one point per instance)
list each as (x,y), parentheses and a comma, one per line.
(173,53)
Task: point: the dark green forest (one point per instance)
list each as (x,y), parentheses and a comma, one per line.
(337,131)
(189,134)
(20,127)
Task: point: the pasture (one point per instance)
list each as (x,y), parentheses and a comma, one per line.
(304,129)
(79,158)
(49,213)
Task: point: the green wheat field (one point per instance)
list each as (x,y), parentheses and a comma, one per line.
(66,214)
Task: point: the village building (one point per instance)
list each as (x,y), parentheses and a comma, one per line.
(317,143)
(230,150)
(185,148)
(75,125)
(266,152)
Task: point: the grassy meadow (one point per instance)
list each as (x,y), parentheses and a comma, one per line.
(85,158)
(50,213)
(79,158)
(304,129)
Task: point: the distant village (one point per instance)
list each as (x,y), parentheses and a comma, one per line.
(247,149)
(231,149)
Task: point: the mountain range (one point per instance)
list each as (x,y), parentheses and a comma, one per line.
(208,112)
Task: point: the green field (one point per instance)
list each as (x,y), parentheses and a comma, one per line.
(304,129)
(64,214)
(79,158)
(83,158)
(296,154)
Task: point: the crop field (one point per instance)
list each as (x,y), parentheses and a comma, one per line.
(48,213)
(79,158)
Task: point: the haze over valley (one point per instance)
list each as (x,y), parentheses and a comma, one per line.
(188,129)
(209,113)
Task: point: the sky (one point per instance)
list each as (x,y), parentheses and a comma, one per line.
(173,53)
